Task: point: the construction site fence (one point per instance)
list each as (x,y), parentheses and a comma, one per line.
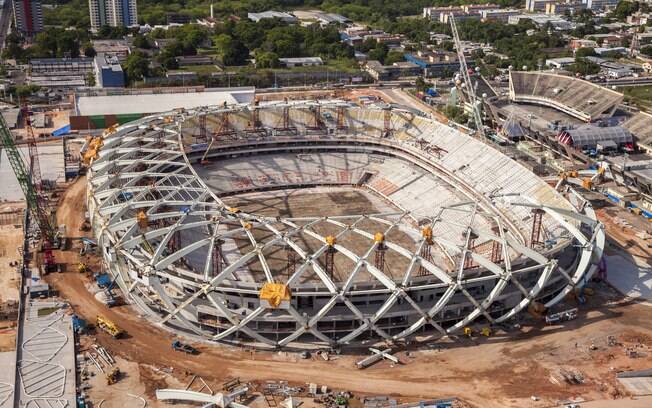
(22,298)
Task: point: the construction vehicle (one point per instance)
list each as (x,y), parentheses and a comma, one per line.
(106,284)
(468,332)
(113,376)
(82,267)
(486,331)
(186,348)
(563,316)
(29,179)
(108,326)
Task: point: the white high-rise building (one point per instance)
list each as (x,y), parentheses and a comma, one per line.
(113,13)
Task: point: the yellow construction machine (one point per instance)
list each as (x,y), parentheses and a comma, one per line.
(82,267)
(468,332)
(113,376)
(109,327)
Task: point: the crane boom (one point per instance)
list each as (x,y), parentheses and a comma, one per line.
(467,80)
(24,177)
(34,164)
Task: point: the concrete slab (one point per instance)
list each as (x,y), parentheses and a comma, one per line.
(637,385)
(51,161)
(7,378)
(46,357)
(632,276)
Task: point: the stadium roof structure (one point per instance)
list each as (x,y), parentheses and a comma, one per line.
(640,125)
(576,97)
(497,237)
(590,136)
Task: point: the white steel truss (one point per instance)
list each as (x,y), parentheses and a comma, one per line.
(144,168)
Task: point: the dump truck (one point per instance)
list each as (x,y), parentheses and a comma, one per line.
(109,327)
(186,348)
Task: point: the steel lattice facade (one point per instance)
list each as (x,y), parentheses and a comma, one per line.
(170,265)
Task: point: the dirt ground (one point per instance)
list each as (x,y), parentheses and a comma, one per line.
(500,371)
(318,202)
(11,236)
(629,231)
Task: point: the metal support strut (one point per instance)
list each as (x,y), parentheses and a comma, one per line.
(468,260)
(340,116)
(535,238)
(379,261)
(330,256)
(387,122)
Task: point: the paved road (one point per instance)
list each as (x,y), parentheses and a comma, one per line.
(5,20)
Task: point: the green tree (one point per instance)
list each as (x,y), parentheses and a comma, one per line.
(625,8)
(90,79)
(89,51)
(585,52)
(421,85)
(13,47)
(394,56)
(267,60)
(583,66)
(647,50)
(232,50)
(378,53)
(140,41)
(136,67)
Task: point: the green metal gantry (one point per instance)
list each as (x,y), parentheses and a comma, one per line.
(34,201)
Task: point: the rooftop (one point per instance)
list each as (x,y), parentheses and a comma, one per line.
(160,102)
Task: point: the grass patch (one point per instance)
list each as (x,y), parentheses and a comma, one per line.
(45,311)
(640,96)
(201,69)
(638,92)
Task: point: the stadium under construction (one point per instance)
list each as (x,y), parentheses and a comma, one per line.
(405,228)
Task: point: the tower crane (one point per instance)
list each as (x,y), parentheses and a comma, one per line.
(467,80)
(36,204)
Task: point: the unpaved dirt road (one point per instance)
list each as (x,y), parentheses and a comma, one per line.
(488,372)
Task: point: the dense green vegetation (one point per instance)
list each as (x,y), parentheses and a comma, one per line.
(75,12)
(67,13)
(53,42)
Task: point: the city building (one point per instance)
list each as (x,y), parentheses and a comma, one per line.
(113,13)
(644,38)
(540,20)
(286,17)
(560,63)
(597,5)
(537,5)
(119,48)
(571,7)
(498,14)
(60,65)
(108,72)
(301,62)
(28,17)
(308,17)
(436,63)
(577,43)
(638,18)
(99,108)
(381,72)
